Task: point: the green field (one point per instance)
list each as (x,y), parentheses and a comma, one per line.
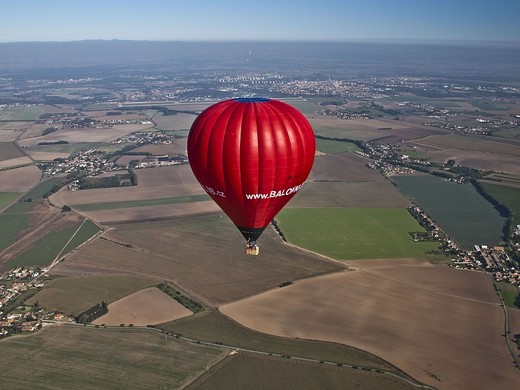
(45,250)
(43,188)
(509,196)
(10,226)
(460,211)
(510,294)
(77,357)
(87,230)
(140,203)
(7,197)
(351,233)
(329,146)
(73,295)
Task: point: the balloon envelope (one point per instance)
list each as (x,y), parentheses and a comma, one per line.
(251,156)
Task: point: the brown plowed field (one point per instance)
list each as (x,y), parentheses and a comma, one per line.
(146,307)
(203,256)
(343,180)
(19,179)
(442,326)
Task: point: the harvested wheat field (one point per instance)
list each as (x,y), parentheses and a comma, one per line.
(150,306)
(448,335)
(19,179)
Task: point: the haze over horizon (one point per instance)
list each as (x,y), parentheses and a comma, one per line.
(269,20)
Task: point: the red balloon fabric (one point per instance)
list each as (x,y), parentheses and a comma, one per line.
(251,155)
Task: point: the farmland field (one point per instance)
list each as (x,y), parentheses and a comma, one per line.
(8,150)
(141,203)
(145,307)
(82,135)
(203,256)
(19,179)
(350,233)
(71,357)
(370,129)
(212,326)
(474,143)
(385,309)
(73,295)
(87,230)
(153,183)
(485,161)
(329,147)
(344,180)
(10,226)
(246,370)
(461,212)
(179,121)
(7,197)
(43,250)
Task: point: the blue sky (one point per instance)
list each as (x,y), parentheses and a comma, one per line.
(195,20)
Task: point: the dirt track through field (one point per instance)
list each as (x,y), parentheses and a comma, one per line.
(448,335)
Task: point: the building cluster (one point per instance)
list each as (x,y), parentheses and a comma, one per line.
(12,284)
(77,120)
(89,162)
(139,138)
(496,261)
(340,88)
(337,113)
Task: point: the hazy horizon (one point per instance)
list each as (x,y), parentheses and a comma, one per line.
(278,20)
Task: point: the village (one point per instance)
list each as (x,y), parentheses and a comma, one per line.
(16,286)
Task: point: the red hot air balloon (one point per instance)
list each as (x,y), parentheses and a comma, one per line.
(251,155)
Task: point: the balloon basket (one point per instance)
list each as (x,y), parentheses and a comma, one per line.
(253,250)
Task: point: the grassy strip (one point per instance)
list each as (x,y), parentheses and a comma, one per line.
(348,233)
(140,203)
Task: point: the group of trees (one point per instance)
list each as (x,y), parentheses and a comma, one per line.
(118,180)
(93,313)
